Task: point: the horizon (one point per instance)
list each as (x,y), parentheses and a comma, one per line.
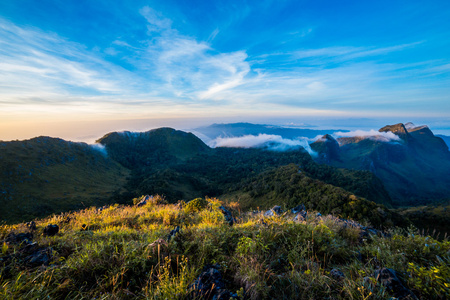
(91,135)
(78,70)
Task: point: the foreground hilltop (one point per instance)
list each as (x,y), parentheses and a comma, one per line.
(412,162)
(203,250)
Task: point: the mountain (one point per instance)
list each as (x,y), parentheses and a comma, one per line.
(158,146)
(445,138)
(240,129)
(164,161)
(180,166)
(412,162)
(46,175)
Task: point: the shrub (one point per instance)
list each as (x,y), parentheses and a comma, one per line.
(195,205)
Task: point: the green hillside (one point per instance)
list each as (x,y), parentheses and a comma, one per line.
(288,186)
(160,146)
(45,175)
(180,166)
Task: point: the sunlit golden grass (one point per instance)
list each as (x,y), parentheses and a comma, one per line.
(123,252)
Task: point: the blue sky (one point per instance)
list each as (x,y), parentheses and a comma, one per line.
(66,63)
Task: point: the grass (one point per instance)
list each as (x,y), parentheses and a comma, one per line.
(122,252)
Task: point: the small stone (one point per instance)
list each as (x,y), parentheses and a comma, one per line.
(209,285)
(19,238)
(389,279)
(228,216)
(39,257)
(276,210)
(173,233)
(337,274)
(51,230)
(144,200)
(32,225)
(298,209)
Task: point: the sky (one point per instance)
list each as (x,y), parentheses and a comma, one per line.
(79,69)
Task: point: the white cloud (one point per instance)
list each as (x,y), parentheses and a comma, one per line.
(269,141)
(155,19)
(372,134)
(100,148)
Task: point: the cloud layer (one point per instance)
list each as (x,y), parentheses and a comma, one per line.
(269,141)
(372,134)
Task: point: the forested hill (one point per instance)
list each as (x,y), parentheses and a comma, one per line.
(180,166)
(46,175)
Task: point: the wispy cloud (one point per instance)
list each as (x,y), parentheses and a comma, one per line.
(350,53)
(372,134)
(188,67)
(39,64)
(268,141)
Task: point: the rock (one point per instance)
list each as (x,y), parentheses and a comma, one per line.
(269,213)
(144,200)
(301,216)
(100,209)
(209,285)
(173,233)
(364,237)
(337,274)
(228,216)
(389,279)
(19,238)
(31,225)
(298,209)
(276,210)
(39,257)
(51,230)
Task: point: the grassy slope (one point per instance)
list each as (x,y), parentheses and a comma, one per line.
(432,219)
(122,256)
(289,187)
(45,175)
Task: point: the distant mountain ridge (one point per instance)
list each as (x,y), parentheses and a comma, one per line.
(415,167)
(240,129)
(45,175)
(445,138)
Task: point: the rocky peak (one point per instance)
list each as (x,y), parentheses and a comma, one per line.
(419,130)
(398,129)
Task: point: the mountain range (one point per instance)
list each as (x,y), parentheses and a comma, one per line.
(412,162)
(404,164)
